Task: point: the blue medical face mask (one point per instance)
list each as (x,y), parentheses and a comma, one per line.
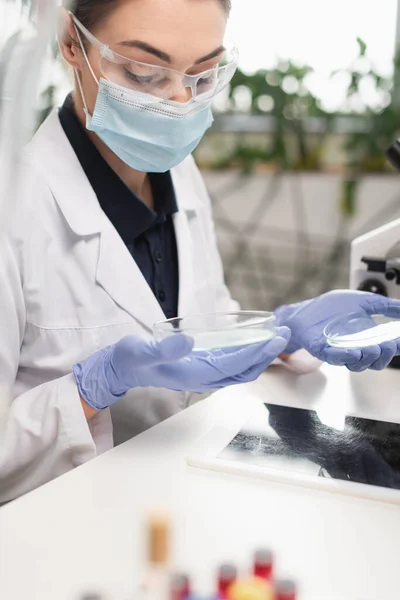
(148,134)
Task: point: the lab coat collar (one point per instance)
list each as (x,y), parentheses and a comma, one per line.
(62,171)
(67,176)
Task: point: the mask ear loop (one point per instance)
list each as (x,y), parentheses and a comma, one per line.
(77,76)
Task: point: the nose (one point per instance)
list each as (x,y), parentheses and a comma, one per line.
(183,96)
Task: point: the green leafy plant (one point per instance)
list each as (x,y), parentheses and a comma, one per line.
(379,125)
(283,95)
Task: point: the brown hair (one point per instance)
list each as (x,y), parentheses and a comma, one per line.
(91,12)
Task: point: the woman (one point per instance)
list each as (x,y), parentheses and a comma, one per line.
(116,234)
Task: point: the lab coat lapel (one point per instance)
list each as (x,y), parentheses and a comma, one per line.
(126,283)
(184,245)
(121,278)
(116,271)
(182,219)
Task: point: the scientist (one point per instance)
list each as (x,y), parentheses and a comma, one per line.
(112,231)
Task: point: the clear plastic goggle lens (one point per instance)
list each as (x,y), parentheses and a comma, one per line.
(161,82)
(166,83)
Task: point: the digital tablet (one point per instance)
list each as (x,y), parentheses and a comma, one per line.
(314,448)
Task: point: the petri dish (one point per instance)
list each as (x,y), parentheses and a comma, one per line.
(353,331)
(220,330)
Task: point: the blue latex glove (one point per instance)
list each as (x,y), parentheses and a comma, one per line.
(107,375)
(307,321)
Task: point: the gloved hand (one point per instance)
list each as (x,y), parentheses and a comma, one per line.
(107,375)
(307,321)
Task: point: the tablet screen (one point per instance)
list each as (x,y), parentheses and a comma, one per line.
(312,443)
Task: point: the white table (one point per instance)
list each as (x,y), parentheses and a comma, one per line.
(85,530)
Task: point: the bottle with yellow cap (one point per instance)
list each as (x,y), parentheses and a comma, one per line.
(158,555)
(253,588)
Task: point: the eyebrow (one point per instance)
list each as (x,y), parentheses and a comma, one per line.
(163,55)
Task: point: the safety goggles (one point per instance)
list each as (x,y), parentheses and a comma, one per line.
(159,82)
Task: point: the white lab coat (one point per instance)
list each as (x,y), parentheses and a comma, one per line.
(69,287)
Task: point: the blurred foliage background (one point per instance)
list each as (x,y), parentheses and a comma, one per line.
(299,127)
(308,167)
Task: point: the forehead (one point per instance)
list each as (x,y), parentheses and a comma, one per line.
(194,26)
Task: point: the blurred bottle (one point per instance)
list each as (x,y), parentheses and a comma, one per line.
(227,575)
(285,589)
(158,554)
(263,564)
(179,587)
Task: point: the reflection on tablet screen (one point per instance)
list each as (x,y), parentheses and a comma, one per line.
(357,450)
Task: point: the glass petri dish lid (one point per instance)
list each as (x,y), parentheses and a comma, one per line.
(352,331)
(220,330)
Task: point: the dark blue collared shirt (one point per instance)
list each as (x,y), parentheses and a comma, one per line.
(148,234)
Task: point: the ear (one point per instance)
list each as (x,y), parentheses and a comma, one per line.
(68,41)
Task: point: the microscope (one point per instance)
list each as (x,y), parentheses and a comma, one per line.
(375,256)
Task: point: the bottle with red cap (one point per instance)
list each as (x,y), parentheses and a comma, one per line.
(227,575)
(285,589)
(179,587)
(263,564)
